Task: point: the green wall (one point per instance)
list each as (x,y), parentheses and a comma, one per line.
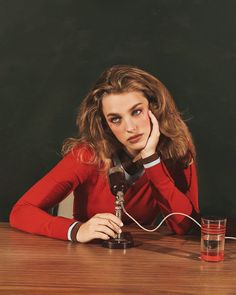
(51,52)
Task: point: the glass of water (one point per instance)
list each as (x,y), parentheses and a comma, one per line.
(213,238)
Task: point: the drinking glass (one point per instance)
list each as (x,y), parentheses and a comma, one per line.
(213,238)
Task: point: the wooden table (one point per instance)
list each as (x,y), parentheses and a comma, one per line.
(161,264)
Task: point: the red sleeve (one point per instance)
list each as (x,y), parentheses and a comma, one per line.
(30,212)
(177,192)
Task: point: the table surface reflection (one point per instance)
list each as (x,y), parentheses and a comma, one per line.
(161,263)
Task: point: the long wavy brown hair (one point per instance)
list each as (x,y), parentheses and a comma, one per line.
(175,142)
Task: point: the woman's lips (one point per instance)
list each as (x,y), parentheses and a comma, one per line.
(135,138)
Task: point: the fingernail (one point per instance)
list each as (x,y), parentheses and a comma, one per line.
(121,224)
(120,231)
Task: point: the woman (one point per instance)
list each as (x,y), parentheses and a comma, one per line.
(127,119)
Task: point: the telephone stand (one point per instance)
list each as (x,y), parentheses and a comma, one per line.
(123,240)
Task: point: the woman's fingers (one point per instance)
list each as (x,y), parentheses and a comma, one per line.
(105,230)
(101,236)
(155,125)
(100,226)
(111,217)
(111,222)
(153,139)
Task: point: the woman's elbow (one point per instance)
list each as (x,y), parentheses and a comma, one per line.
(13,216)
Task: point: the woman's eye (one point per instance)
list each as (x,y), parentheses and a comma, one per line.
(137,112)
(115,120)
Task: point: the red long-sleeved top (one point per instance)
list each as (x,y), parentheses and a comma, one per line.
(158,189)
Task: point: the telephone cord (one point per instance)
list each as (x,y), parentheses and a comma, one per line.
(167,216)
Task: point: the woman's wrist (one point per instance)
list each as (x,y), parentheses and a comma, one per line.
(153,157)
(74,232)
(151,161)
(145,154)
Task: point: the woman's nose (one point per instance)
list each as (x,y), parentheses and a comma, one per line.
(130,125)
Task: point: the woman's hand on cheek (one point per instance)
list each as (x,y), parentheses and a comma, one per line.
(100,226)
(153,139)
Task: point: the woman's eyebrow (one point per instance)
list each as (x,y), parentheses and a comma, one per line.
(136,105)
(130,110)
(112,114)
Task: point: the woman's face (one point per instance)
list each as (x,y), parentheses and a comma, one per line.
(127,116)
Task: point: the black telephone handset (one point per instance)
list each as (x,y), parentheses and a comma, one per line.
(116,178)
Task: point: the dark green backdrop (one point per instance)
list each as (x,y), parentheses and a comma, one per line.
(51,52)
